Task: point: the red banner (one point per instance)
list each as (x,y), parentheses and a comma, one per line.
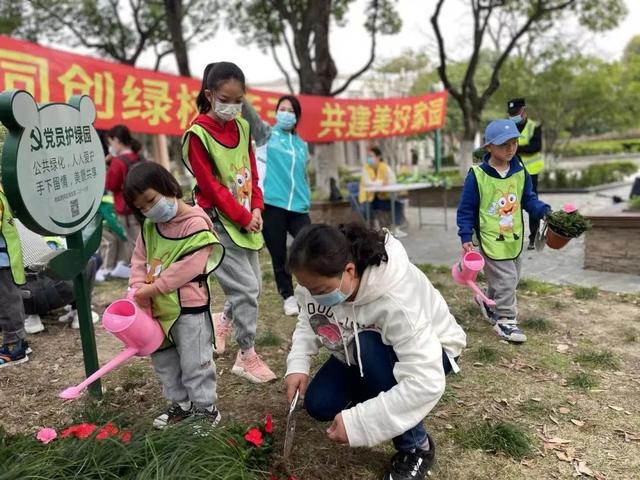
(158,103)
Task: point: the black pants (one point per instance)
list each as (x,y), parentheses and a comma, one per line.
(277,222)
(534,223)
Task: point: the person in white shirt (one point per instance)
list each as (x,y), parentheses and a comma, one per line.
(391,336)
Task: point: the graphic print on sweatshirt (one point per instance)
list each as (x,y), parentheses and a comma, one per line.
(330,334)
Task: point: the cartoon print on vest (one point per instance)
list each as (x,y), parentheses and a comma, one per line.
(153,270)
(505,207)
(240,187)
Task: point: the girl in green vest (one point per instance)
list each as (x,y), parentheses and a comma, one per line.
(217,150)
(494,195)
(173,257)
(15,348)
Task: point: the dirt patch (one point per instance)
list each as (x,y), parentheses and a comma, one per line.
(526,385)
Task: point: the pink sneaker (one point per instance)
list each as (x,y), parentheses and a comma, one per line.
(222,329)
(251,367)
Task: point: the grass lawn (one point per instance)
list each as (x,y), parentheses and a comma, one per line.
(565,403)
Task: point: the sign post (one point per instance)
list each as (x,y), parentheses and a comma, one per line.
(53,174)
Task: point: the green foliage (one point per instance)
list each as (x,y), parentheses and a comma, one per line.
(583,380)
(269,339)
(599,147)
(177,452)
(507,438)
(598,359)
(536,286)
(586,293)
(486,354)
(634,203)
(536,324)
(570,225)
(593,175)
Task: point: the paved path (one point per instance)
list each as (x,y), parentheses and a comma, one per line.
(432,244)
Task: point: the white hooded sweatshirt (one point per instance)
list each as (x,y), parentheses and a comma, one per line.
(397,300)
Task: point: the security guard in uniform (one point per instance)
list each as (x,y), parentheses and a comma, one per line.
(529,150)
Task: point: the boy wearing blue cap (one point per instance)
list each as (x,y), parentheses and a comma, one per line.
(494,195)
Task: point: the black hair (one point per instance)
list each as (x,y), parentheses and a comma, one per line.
(325,249)
(295,103)
(123,134)
(145,175)
(377,152)
(215,74)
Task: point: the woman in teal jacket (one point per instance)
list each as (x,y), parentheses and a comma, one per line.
(287,196)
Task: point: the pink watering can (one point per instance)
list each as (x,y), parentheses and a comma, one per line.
(465,272)
(137,329)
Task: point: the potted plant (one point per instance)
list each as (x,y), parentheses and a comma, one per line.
(564,225)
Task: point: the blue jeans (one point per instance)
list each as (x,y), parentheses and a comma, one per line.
(338,386)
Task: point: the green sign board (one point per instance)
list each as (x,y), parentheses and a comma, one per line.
(53,167)
(53,174)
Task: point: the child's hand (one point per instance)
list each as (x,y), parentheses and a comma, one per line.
(467,247)
(336,432)
(293,382)
(257,214)
(144,293)
(255,225)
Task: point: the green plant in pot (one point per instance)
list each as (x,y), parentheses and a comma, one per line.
(564,225)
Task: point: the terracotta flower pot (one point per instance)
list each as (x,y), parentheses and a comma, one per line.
(555,240)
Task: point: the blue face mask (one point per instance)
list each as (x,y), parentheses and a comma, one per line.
(285,120)
(517,119)
(371,161)
(163,211)
(333,298)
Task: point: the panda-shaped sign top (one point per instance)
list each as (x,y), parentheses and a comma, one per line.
(53,168)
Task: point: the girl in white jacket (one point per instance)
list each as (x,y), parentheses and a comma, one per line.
(391,336)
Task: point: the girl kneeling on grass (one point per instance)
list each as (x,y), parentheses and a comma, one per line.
(173,257)
(391,336)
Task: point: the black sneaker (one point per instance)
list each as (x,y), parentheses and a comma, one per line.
(532,245)
(174,414)
(202,414)
(14,353)
(412,465)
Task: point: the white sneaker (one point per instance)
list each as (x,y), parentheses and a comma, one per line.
(67,317)
(102,274)
(75,323)
(121,270)
(33,324)
(399,233)
(291,306)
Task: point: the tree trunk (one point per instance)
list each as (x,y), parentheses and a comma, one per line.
(326,166)
(173,9)
(464,157)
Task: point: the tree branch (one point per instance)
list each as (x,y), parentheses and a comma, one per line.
(372,52)
(442,68)
(279,64)
(538,13)
(160,56)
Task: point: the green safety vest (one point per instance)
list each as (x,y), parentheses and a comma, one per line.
(163,251)
(232,168)
(10,233)
(501,226)
(110,219)
(533,162)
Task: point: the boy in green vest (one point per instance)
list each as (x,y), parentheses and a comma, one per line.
(494,195)
(15,348)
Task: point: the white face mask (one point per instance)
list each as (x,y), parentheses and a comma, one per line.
(227,111)
(112,151)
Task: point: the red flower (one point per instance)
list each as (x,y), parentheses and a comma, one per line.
(268,426)
(80,431)
(254,436)
(109,430)
(125,436)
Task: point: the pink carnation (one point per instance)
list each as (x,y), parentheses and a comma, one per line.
(46,435)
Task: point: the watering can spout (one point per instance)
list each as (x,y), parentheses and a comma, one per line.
(136,328)
(72,393)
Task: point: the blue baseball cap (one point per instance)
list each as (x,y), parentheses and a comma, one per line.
(500,131)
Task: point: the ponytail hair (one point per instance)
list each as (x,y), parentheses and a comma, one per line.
(325,250)
(123,134)
(214,74)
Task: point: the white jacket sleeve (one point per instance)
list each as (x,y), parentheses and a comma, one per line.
(304,343)
(420,378)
